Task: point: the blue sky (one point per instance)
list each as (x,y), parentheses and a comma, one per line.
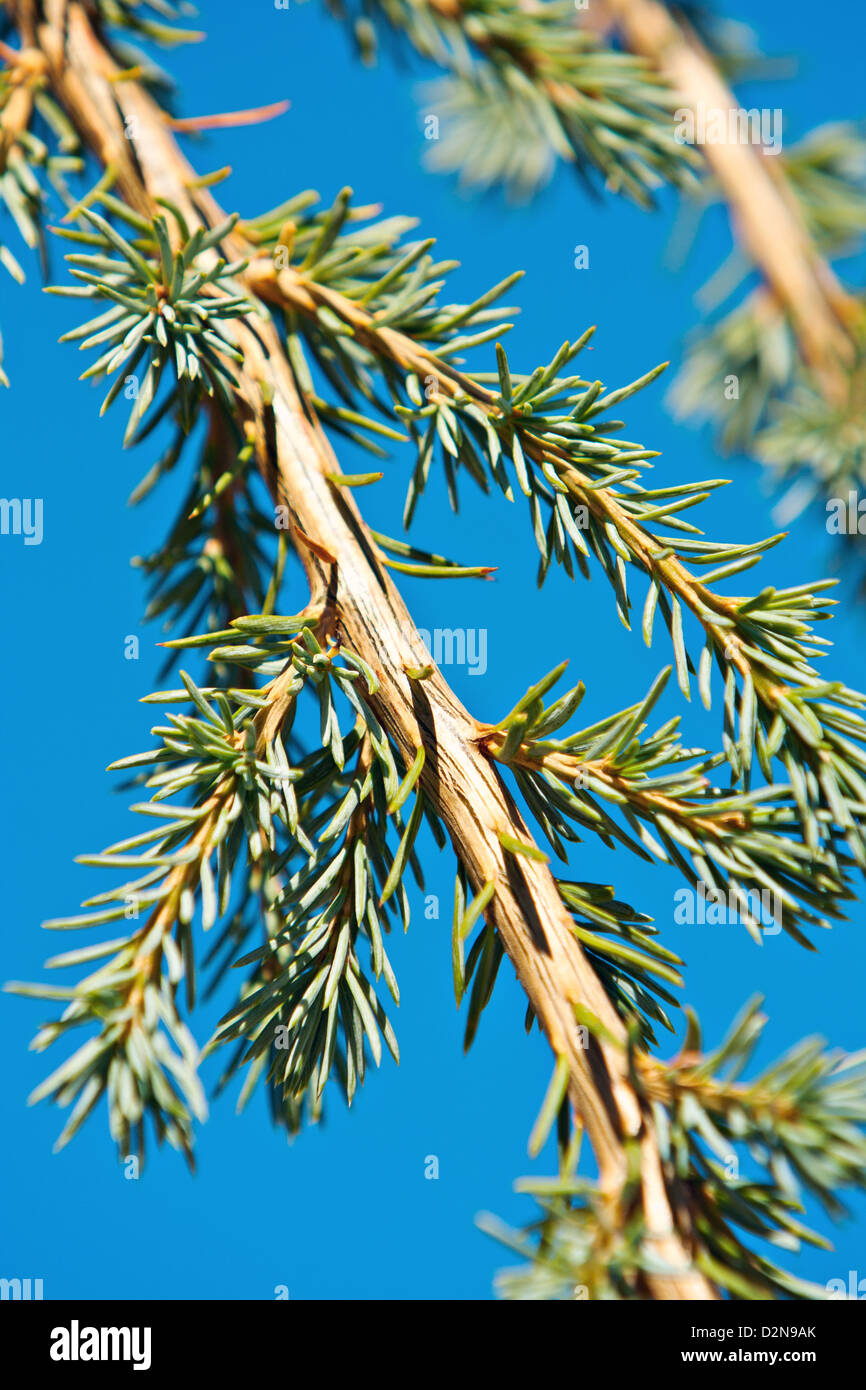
(346,1211)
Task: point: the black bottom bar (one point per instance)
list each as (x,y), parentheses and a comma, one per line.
(62,1339)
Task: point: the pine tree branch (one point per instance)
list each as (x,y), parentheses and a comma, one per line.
(529,83)
(765,215)
(734,843)
(366,613)
(527,86)
(764,211)
(212,567)
(801,1124)
(764,642)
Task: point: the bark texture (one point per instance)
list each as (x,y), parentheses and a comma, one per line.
(122,125)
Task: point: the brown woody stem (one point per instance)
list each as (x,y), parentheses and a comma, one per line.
(763,212)
(366,612)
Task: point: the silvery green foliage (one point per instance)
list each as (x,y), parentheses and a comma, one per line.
(573,1250)
(742,1154)
(215,562)
(547,438)
(656,797)
(743,371)
(23,166)
(34,159)
(791,819)
(526,86)
(637,971)
(171,301)
(311,834)
(291,847)
(37,157)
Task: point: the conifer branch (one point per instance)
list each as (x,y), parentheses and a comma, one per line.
(526,86)
(553,431)
(370,619)
(766,217)
(329,836)
(532,39)
(800,1122)
(796,346)
(740,846)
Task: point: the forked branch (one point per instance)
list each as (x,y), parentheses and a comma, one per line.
(126,131)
